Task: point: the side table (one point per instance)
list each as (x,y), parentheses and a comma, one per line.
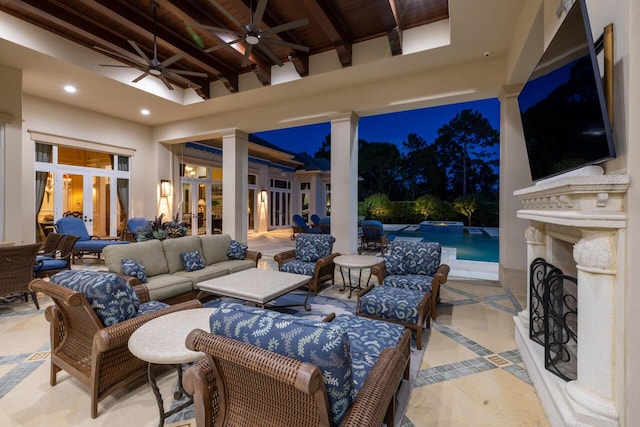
(359,262)
(161,342)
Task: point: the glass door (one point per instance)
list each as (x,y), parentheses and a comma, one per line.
(197,209)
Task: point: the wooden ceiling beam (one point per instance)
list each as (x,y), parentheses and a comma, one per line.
(394,27)
(142,23)
(333,27)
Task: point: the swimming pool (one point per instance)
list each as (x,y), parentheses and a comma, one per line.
(472,247)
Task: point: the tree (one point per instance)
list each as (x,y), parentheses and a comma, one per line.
(378,205)
(466,205)
(423,174)
(380,165)
(460,144)
(427,205)
(324,152)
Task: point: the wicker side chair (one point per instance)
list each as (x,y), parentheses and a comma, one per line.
(312,257)
(50,265)
(16,270)
(95,354)
(51,245)
(241,384)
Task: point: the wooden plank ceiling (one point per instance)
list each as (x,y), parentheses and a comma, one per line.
(199,55)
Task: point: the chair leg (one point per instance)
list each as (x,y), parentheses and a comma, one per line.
(419,337)
(34,297)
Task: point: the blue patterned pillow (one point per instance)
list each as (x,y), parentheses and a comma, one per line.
(394,260)
(421,257)
(134,269)
(322,344)
(109,294)
(312,247)
(192,261)
(237,250)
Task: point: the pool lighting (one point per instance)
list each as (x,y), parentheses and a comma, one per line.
(70,89)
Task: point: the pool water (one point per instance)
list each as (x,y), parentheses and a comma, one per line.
(471,247)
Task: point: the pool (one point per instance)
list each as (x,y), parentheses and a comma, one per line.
(471,247)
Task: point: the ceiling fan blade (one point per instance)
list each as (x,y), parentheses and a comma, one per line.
(140,52)
(128,57)
(245,58)
(285,27)
(182,80)
(170,61)
(185,73)
(140,77)
(285,44)
(165,81)
(220,46)
(118,66)
(227,14)
(257,17)
(271,55)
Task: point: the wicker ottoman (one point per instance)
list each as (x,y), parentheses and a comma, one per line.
(407,307)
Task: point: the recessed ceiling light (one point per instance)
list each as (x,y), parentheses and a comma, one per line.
(70,89)
(145,112)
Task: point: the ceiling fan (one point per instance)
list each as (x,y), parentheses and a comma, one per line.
(153,66)
(252,35)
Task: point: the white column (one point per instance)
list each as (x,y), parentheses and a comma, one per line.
(235,159)
(534,236)
(344,182)
(591,395)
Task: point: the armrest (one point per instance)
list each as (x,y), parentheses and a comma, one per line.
(371,405)
(442,274)
(253,255)
(117,335)
(326,260)
(283,257)
(143,292)
(380,271)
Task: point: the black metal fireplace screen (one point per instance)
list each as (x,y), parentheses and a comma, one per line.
(553,317)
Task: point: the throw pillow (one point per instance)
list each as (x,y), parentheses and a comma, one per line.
(134,269)
(192,261)
(237,250)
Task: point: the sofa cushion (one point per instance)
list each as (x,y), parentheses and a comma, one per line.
(209,272)
(367,339)
(215,247)
(110,296)
(192,261)
(151,306)
(420,257)
(236,250)
(299,267)
(148,253)
(164,286)
(174,247)
(312,247)
(134,269)
(417,282)
(322,344)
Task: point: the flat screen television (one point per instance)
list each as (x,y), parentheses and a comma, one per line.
(564,116)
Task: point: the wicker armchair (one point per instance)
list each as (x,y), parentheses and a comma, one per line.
(95,354)
(240,384)
(47,266)
(51,244)
(16,270)
(311,257)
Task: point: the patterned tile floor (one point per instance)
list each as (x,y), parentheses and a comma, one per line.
(470,375)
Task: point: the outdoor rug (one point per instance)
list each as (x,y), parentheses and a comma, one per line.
(329,300)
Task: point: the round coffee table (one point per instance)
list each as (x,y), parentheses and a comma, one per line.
(161,341)
(359,262)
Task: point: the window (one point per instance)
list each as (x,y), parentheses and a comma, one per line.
(81,157)
(328,199)
(305,199)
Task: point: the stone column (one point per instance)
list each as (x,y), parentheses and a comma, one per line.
(536,248)
(344,182)
(235,159)
(591,395)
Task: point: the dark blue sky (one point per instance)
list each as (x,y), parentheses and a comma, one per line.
(392,127)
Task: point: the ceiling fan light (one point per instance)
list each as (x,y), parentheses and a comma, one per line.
(251,39)
(155,72)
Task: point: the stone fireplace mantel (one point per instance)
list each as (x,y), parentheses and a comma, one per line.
(589,214)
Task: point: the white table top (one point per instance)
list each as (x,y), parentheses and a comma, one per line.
(356,261)
(162,340)
(255,284)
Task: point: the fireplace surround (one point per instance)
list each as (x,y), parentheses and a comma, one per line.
(579,223)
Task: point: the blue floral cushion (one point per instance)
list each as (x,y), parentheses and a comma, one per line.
(151,306)
(192,261)
(312,247)
(109,294)
(367,339)
(237,250)
(394,260)
(322,344)
(299,267)
(417,282)
(420,257)
(391,303)
(134,269)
